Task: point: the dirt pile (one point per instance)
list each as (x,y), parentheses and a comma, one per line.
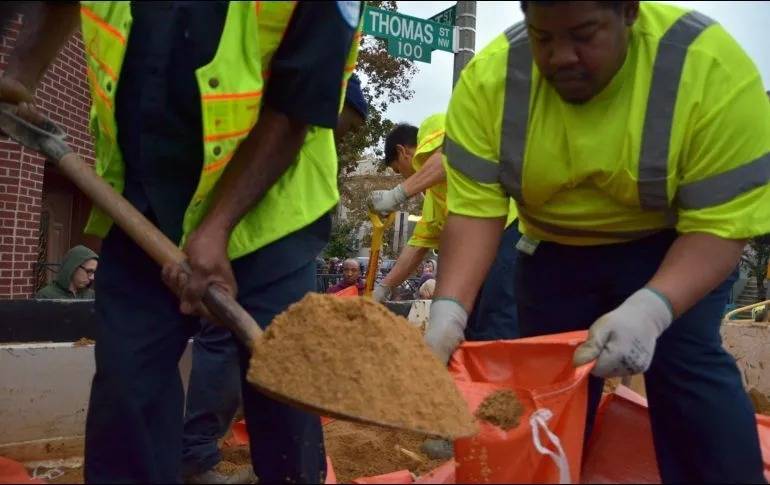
(501,408)
(351,356)
(760,401)
(362,451)
(83,341)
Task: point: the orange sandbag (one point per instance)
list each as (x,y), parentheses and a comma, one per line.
(331,477)
(351,290)
(14,472)
(546,446)
(443,474)
(400,477)
(622,430)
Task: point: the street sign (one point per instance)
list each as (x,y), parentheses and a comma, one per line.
(446,17)
(407,36)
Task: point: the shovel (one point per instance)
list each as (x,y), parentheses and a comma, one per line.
(378,230)
(48,139)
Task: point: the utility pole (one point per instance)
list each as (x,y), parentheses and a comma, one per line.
(466,23)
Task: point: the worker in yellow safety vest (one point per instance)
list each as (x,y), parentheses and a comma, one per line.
(416,154)
(214,119)
(635,140)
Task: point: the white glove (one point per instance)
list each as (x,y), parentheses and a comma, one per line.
(445,327)
(386,201)
(381,292)
(623,340)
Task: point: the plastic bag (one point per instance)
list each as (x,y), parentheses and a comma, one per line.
(547,445)
(12,471)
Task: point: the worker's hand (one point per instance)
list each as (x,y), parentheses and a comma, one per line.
(623,341)
(384,202)
(208,261)
(445,328)
(381,292)
(14,92)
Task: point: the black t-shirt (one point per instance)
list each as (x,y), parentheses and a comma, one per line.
(158,109)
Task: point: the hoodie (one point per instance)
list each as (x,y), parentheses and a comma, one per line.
(59,288)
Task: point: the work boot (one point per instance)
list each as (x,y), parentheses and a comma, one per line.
(243,475)
(438,449)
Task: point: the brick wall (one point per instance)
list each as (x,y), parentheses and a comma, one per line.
(63,97)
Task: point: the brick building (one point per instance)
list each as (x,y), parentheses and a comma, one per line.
(41,213)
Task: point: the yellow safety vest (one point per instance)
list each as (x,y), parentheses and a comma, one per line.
(231,87)
(630,162)
(427,231)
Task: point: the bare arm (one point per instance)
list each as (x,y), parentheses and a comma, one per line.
(407,262)
(695,264)
(45,29)
(431,173)
(468,248)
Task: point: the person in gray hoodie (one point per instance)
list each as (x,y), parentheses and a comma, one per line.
(75,277)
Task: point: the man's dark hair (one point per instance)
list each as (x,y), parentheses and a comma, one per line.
(614,5)
(403,134)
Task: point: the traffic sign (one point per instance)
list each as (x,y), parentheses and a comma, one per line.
(446,17)
(407,36)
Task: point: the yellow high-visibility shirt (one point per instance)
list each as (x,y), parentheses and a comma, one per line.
(651,151)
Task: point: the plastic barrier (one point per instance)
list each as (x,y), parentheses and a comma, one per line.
(548,441)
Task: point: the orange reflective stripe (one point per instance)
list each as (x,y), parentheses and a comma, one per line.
(224,136)
(101,23)
(217,164)
(430,138)
(99,91)
(228,96)
(257,7)
(107,69)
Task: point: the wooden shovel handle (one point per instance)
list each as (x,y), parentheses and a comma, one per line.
(49,140)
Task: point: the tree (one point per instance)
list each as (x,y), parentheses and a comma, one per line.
(342,241)
(755,259)
(384,80)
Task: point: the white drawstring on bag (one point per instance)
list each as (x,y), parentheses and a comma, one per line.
(538,420)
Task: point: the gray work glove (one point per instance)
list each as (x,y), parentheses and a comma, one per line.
(381,292)
(623,340)
(445,327)
(386,201)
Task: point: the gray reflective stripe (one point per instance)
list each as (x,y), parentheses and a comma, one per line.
(566,231)
(513,133)
(725,186)
(475,168)
(666,74)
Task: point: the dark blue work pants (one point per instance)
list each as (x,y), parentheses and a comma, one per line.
(703,424)
(134,425)
(213,396)
(494,315)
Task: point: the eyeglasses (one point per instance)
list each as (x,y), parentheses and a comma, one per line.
(89,271)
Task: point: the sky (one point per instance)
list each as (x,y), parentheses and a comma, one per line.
(747,22)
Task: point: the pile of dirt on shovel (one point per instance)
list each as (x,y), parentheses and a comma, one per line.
(352,356)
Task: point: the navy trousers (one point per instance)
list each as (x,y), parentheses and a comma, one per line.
(703,424)
(494,315)
(213,396)
(135,415)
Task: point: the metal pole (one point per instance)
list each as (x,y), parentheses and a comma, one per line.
(466,23)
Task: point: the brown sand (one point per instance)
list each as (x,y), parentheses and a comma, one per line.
(363,451)
(351,356)
(83,342)
(501,408)
(71,475)
(760,401)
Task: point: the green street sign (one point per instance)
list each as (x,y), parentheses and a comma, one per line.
(410,37)
(446,17)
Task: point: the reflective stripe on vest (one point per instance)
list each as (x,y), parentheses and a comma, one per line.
(656,135)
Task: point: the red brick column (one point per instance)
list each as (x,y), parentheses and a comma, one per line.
(63,97)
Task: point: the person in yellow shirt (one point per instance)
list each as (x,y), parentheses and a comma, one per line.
(417,155)
(635,140)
